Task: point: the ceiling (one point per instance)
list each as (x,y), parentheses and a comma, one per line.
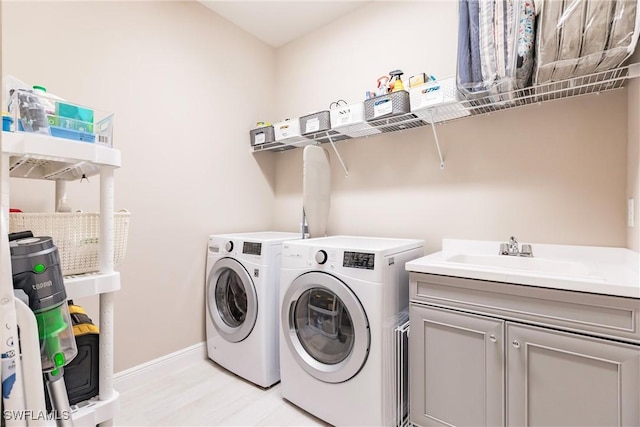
(279,22)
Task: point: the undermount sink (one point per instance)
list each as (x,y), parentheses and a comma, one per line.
(541,265)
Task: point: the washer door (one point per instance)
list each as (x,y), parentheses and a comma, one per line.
(232,300)
(325,327)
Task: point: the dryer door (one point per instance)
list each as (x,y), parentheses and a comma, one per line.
(325,327)
(231,300)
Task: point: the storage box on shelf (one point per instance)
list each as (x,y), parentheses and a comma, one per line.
(77,236)
(47,115)
(348,119)
(437,101)
(390,112)
(287,136)
(317,127)
(262,135)
(385,106)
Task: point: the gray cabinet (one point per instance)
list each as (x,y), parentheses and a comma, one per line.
(561,379)
(456,368)
(479,356)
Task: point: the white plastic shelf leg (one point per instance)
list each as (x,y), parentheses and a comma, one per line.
(106,356)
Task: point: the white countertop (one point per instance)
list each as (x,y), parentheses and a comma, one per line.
(593,269)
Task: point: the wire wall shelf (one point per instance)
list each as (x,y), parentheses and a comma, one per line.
(459,107)
(485,103)
(578,86)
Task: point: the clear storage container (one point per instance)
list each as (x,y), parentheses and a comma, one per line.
(62,119)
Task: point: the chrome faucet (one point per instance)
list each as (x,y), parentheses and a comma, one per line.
(512,249)
(513,246)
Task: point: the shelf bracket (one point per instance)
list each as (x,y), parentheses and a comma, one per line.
(17,163)
(64,169)
(346,172)
(435,136)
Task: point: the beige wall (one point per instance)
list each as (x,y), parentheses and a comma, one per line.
(174,74)
(554,173)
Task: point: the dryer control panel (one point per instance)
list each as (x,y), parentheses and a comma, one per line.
(359,260)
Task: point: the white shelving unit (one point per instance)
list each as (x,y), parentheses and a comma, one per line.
(37,156)
(440,114)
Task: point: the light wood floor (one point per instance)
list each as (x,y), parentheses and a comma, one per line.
(204,394)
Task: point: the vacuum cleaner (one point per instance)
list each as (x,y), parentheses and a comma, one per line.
(35,263)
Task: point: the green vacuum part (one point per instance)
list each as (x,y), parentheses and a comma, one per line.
(50,325)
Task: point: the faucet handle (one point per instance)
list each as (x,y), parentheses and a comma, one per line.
(504,249)
(526,250)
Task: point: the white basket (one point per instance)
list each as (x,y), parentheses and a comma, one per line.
(76,235)
(437,101)
(287,130)
(349,120)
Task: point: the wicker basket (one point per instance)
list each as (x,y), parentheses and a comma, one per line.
(76,235)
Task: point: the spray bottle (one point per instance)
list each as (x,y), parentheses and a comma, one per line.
(396,80)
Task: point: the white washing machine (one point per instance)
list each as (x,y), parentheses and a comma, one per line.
(242,307)
(339,300)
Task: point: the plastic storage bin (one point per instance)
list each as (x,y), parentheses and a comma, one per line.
(437,101)
(385,106)
(287,132)
(314,123)
(39,113)
(317,127)
(7,121)
(348,119)
(262,135)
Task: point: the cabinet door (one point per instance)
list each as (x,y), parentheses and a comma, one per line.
(456,368)
(562,379)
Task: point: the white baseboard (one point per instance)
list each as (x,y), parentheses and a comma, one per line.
(155,368)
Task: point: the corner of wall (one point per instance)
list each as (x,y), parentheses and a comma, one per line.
(633,159)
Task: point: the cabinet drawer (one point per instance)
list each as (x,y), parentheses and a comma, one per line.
(607,316)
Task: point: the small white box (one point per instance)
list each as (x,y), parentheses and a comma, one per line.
(349,120)
(436,101)
(287,129)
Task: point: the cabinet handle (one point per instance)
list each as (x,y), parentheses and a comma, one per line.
(493,338)
(516,344)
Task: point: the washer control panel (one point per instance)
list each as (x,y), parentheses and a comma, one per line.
(252,248)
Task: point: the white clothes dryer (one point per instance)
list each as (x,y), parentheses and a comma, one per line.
(339,301)
(242,317)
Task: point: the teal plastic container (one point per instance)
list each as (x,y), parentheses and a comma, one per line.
(6,123)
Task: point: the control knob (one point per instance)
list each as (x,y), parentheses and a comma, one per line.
(228,246)
(321,257)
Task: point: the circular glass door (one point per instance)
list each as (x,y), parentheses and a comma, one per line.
(325,327)
(231,300)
